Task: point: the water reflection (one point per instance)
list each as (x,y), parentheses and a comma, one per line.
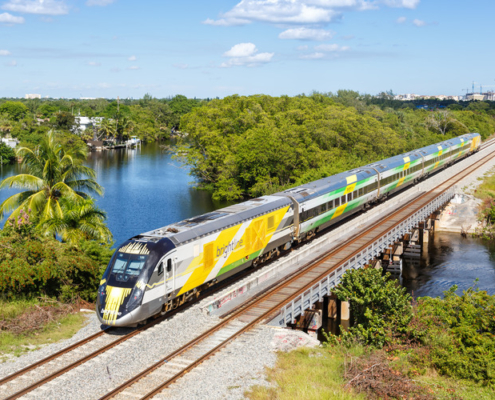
(451,260)
(144,189)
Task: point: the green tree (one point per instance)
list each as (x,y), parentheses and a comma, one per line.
(81,220)
(46,110)
(7,155)
(65,121)
(379,305)
(53,172)
(107,128)
(14,109)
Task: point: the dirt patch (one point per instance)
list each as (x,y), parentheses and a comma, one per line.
(373,375)
(37,316)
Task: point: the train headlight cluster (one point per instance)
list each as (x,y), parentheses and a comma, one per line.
(136,296)
(102,293)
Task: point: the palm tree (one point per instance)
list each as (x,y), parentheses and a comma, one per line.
(80,221)
(127,126)
(53,172)
(108,127)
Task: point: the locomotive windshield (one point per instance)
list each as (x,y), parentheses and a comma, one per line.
(127,266)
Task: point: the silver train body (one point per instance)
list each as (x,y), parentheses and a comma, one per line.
(159,270)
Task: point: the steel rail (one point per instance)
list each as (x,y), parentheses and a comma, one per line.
(53,356)
(96,353)
(277,287)
(192,343)
(273,309)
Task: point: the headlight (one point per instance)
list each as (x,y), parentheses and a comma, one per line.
(101,294)
(136,297)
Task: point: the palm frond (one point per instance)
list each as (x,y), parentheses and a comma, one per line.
(14,201)
(23,181)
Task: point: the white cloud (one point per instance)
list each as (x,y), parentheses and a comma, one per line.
(401,20)
(5,53)
(401,3)
(226,21)
(132,58)
(181,66)
(94,64)
(331,47)
(246,54)
(12,63)
(306,12)
(133,67)
(6,18)
(313,56)
(241,50)
(100,3)
(306,34)
(44,7)
(275,12)
(419,23)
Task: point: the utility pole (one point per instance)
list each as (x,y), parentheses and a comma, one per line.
(118,115)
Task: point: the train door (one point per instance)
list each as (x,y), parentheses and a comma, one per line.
(168,269)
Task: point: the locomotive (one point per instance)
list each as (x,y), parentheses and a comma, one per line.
(157,271)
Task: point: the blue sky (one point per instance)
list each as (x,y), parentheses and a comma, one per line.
(126,48)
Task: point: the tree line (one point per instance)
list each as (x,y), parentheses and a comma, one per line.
(247,146)
(148,118)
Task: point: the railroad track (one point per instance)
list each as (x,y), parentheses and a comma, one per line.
(169,369)
(82,351)
(176,364)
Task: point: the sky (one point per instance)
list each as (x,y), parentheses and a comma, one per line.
(216,48)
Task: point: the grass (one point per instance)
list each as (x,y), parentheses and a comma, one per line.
(309,374)
(16,344)
(486,189)
(314,374)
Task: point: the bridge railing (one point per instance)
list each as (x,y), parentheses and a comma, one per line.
(291,310)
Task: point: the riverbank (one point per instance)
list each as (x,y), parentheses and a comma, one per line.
(462,213)
(29,325)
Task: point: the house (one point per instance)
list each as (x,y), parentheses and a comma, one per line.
(11,142)
(84,123)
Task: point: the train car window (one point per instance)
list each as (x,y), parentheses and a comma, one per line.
(135,265)
(330,205)
(349,197)
(160,269)
(342,199)
(360,192)
(337,202)
(120,263)
(324,207)
(169,265)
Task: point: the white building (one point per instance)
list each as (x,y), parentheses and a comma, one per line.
(33,96)
(12,143)
(87,123)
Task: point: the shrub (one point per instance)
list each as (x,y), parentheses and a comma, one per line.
(381,308)
(459,332)
(32,266)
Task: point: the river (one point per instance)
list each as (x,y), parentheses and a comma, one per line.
(145,189)
(452,260)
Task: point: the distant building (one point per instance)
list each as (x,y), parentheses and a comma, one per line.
(87,98)
(33,96)
(476,96)
(87,123)
(12,143)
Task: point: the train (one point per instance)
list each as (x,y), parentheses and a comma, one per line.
(157,271)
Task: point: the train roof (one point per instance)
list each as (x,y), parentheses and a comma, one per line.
(322,186)
(191,228)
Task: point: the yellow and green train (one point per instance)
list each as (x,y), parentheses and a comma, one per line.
(158,270)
